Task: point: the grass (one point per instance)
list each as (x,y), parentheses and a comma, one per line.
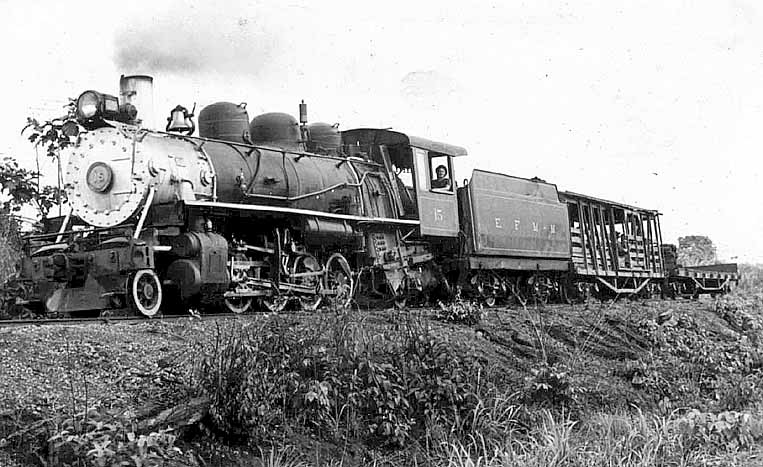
(612,388)
(403,388)
(632,439)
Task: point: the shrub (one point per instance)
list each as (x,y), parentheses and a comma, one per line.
(258,376)
(736,392)
(734,310)
(459,311)
(725,431)
(397,383)
(382,389)
(549,384)
(104,440)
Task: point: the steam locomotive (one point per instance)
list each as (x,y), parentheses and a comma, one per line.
(275,211)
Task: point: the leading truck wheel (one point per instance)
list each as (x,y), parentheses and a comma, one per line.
(144,292)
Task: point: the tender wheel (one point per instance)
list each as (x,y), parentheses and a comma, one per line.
(540,289)
(567,292)
(584,292)
(145,292)
(487,288)
(338,280)
(238,305)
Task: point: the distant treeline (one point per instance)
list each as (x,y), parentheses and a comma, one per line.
(752,277)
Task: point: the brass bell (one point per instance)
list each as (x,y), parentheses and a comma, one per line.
(181,121)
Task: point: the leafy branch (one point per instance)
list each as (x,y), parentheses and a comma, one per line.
(56,134)
(22,188)
(24,185)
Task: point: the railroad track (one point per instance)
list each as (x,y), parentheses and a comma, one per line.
(109,319)
(208,316)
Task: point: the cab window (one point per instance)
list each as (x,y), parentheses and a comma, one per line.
(405,175)
(401,160)
(440,173)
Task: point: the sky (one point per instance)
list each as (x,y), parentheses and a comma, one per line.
(651,103)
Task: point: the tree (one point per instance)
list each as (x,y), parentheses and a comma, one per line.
(22,187)
(53,135)
(751,277)
(696,250)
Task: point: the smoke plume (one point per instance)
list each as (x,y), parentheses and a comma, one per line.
(195,40)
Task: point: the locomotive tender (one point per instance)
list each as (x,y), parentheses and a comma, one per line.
(275,211)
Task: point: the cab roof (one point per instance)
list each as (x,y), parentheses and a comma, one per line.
(389,138)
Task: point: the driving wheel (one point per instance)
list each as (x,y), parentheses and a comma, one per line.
(338,281)
(275,304)
(238,305)
(238,278)
(306,264)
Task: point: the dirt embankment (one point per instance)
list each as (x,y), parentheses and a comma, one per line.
(56,381)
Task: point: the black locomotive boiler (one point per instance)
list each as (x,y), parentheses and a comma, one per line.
(276,211)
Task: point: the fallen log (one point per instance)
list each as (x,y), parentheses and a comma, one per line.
(184,414)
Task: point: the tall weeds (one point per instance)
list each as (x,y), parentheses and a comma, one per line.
(611,440)
(404,385)
(339,380)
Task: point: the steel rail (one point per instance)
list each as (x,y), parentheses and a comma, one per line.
(108,319)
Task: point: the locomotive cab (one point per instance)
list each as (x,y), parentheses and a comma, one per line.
(420,173)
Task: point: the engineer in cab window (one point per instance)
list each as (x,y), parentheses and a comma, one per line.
(442,182)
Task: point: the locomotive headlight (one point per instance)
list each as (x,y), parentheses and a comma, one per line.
(93,104)
(88,104)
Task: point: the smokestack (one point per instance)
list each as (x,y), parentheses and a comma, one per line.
(138,90)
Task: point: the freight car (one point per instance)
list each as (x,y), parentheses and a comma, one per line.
(278,211)
(691,281)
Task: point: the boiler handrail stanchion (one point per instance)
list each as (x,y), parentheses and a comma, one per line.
(144,212)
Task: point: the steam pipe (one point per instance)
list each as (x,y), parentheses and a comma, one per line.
(316,193)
